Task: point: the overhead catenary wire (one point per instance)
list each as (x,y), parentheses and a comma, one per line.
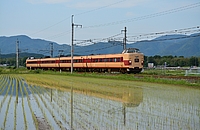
(147,16)
(194,5)
(118,39)
(96,40)
(100,7)
(152,35)
(167,39)
(44,29)
(156,40)
(183,30)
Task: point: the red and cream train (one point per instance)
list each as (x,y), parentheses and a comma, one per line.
(129,61)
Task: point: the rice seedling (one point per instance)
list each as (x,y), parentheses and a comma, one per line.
(7,108)
(32,113)
(24,113)
(7,87)
(55,104)
(48,108)
(32,89)
(15,109)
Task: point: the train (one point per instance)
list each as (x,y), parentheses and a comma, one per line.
(131,60)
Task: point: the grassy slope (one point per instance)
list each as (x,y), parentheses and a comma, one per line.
(148,76)
(95,80)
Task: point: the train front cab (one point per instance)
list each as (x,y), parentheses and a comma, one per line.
(133,59)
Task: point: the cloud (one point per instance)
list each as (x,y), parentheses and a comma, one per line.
(47,1)
(129,14)
(88,4)
(104,3)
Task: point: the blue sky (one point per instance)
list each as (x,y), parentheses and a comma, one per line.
(51,19)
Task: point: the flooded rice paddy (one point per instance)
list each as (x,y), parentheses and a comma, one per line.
(135,106)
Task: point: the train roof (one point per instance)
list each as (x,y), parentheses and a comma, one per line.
(131,50)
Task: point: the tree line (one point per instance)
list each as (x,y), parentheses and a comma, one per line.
(172,61)
(12,61)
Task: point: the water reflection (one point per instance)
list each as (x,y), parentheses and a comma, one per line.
(147,106)
(156,107)
(129,97)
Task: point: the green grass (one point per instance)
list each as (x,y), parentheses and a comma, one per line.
(146,76)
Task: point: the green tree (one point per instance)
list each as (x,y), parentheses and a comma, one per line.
(194,61)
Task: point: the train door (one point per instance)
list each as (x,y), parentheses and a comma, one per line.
(57,63)
(38,63)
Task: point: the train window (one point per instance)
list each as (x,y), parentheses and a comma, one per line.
(63,61)
(118,59)
(100,60)
(111,59)
(32,62)
(136,60)
(106,59)
(94,60)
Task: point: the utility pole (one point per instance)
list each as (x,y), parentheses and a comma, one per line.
(0,54)
(17,54)
(72,45)
(124,41)
(51,49)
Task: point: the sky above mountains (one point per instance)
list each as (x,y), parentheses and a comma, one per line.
(51,19)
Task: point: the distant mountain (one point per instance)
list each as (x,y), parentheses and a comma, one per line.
(26,44)
(179,45)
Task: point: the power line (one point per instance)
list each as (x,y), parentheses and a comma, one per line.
(77,15)
(167,39)
(51,26)
(149,35)
(123,21)
(148,16)
(155,40)
(96,40)
(176,31)
(101,7)
(171,31)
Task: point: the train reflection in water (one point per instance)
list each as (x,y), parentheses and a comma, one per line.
(110,101)
(129,97)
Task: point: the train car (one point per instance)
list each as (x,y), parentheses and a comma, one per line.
(129,61)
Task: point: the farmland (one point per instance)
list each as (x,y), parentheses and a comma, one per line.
(44,101)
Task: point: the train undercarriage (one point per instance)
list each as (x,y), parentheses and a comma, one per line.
(100,70)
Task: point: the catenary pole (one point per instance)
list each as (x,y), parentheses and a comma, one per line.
(51,49)
(17,54)
(72,44)
(124,41)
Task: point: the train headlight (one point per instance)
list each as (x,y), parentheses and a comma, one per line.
(130,62)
